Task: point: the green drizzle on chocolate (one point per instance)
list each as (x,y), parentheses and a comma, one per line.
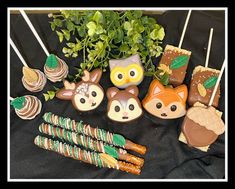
(119,140)
(111,151)
(18,102)
(179,61)
(210,82)
(51,61)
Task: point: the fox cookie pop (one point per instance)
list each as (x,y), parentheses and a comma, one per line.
(27,107)
(165,102)
(175,60)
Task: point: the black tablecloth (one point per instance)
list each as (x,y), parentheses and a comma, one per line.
(166,157)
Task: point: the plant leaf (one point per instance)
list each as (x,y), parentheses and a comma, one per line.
(210,82)
(98,17)
(60,35)
(51,94)
(165,79)
(179,61)
(46,96)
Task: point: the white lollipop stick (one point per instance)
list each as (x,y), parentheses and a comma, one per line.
(216,85)
(185,26)
(34,31)
(11,98)
(18,53)
(209,48)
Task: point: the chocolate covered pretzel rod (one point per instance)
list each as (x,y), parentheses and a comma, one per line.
(89,143)
(97,159)
(99,134)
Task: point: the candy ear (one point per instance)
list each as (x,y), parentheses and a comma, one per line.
(111,92)
(182,91)
(65,94)
(95,75)
(156,87)
(68,85)
(133,90)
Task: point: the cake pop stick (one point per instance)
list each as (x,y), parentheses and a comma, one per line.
(33,79)
(203,124)
(55,68)
(203,81)
(26,107)
(99,134)
(11,98)
(89,143)
(97,159)
(174,60)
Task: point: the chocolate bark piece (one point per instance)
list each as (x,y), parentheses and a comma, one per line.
(177,59)
(206,77)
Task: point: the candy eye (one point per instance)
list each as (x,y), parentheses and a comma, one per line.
(82,100)
(93,93)
(131,107)
(133,73)
(173,108)
(120,76)
(159,105)
(117,108)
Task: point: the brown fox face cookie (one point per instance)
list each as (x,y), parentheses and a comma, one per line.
(85,95)
(123,105)
(166,102)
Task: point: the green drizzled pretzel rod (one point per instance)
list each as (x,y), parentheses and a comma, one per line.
(89,143)
(99,134)
(97,159)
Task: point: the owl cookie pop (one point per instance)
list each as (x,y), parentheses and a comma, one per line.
(175,60)
(55,68)
(126,72)
(33,79)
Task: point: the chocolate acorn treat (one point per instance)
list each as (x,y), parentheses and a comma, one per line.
(33,79)
(27,107)
(123,105)
(165,102)
(174,61)
(55,68)
(126,71)
(201,127)
(85,95)
(202,85)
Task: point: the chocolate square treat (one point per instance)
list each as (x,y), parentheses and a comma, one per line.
(202,85)
(175,61)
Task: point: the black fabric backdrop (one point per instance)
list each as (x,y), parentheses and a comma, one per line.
(166,157)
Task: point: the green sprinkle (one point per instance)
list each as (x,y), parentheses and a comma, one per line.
(51,61)
(69,136)
(18,103)
(58,132)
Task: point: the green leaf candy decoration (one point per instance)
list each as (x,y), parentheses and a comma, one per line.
(51,61)
(179,61)
(210,82)
(111,151)
(119,140)
(18,102)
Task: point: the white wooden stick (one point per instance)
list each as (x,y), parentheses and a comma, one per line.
(216,85)
(34,31)
(209,48)
(11,98)
(185,26)
(18,53)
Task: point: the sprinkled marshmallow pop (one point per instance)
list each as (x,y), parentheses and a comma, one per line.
(97,159)
(55,68)
(26,107)
(33,79)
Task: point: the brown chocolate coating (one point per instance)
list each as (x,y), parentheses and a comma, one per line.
(194,96)
(197,135)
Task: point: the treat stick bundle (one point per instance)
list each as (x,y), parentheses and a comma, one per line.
(89,143)
(99,134)
(98,159)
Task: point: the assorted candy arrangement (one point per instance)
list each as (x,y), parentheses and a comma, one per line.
(200,128)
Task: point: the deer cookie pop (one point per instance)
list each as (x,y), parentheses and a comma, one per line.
(165,102)
(175,60)
(85,95)
(123,105)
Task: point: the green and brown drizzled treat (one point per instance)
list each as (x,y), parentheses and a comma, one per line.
(90,143)
(99,134)
(97,159)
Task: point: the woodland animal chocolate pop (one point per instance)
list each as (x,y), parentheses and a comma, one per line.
(123,105)
(85,95)
(175,60)
(165,102)
(127,71)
